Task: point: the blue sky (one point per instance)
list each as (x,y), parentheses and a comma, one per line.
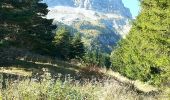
(133,5)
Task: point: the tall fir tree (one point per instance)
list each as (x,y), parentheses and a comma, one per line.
(62,42)
(145,53)
(23,23)
(77,47)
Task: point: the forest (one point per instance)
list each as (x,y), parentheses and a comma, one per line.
(43,61)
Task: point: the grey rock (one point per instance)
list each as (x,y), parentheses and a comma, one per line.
(102,22)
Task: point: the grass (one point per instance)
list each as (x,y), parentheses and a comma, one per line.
(70,89)
(52,79)
(16,71)
(145,87)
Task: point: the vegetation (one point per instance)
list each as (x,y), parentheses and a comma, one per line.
(62,42)
(27,41)
(22,24)
(70,89)
(97,59)
(145,53)
(56,79)
(68,46)
(77,47)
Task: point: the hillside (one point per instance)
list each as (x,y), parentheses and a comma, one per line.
(32,69)
(101,23)
(84,50)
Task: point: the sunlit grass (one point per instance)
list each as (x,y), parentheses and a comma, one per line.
(145,87)
(70,89)
(113,87)
(16,71)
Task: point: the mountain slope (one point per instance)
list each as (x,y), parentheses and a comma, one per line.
(101,22)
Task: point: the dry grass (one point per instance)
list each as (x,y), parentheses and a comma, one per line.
(0,94)
(145,87)
(71,89)
(15,71)
(114,87)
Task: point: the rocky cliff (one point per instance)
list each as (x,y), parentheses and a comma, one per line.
(101,22)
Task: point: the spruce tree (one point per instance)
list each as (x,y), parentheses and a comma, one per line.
(62,41)
(23,23)
(77,47)
(145,53)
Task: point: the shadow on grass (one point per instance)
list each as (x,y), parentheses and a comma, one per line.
(65,70)
(55,68)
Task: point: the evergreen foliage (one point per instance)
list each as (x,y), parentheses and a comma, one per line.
(77,47)
(145,53)
(62,41)
(97,59)
(23,24)
(68,46)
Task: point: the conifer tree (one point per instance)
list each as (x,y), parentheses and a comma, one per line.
(77,47)
(23,23)
(145,53)
(62,42)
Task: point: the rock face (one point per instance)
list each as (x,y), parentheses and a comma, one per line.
(106,6)
(101,22)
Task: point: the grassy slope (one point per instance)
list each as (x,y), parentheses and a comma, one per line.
(115,86)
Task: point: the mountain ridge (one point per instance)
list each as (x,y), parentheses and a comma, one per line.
(107,6)
(100,21)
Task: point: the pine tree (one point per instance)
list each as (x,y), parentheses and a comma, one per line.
(145,53)
(23,23)
(77,47)
(62,42)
